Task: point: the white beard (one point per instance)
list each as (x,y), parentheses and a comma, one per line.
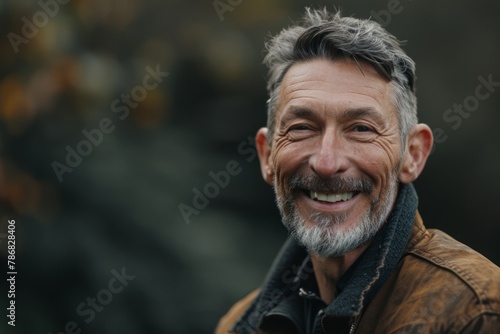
(323,235)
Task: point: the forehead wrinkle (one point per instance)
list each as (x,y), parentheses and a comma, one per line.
(362,102)
(381,90)
(290,93)
(302,84)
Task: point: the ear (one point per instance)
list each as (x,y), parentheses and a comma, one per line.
(264,152)
(417,151)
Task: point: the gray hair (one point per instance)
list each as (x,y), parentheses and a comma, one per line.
(329,35)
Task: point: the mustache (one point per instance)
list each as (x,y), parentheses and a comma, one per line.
(335,184)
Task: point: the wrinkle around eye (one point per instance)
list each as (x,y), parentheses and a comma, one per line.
(299,132)
(363,132)
(363,128)
(299,127)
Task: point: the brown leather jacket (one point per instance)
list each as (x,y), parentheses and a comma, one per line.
(438,286)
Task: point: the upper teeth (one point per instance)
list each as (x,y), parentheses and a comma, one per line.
(332,198)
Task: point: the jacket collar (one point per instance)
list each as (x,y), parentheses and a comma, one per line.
(366,277)
(375,265)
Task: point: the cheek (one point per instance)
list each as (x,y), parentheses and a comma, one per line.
(379,165)
(287,162)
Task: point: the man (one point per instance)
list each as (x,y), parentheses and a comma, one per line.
(341,148)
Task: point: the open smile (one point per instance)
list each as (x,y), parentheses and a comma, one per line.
(330,202)
(331,197)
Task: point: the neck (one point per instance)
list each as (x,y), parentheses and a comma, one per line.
(329,270)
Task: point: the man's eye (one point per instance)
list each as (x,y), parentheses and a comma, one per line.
(362,128)
(299,132)
(299,127)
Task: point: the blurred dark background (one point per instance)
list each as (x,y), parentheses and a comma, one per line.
(118,210)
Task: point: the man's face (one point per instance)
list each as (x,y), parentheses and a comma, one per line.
(336,154)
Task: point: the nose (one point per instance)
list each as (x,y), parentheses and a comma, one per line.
(330,156)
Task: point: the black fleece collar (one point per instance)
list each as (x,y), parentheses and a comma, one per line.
(369,273)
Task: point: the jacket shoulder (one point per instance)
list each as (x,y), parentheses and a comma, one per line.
(474,270)
(461,284)
(235,313)
(440,285)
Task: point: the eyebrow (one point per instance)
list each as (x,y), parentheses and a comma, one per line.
(363,112)
(348,114)
(297,112)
